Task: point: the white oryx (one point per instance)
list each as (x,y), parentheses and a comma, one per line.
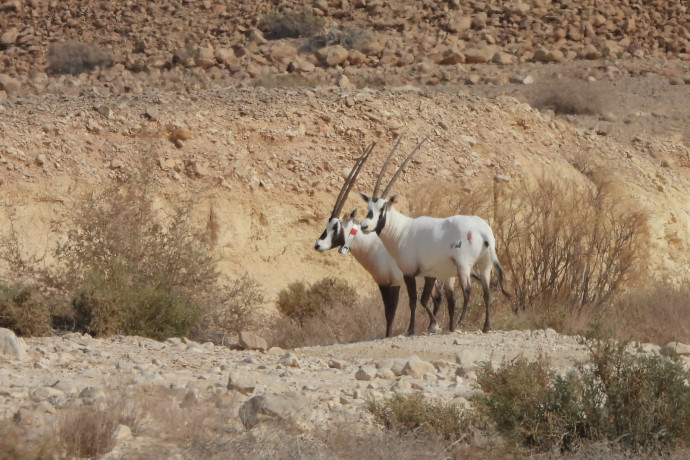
(433,247)
(369,251)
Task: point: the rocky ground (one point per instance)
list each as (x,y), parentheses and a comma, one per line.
(43,378)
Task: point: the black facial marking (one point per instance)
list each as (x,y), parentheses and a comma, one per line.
(370,214)
(338,236)
(382,221)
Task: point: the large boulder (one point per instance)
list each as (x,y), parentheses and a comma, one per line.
(11,345)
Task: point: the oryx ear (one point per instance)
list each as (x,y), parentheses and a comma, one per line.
(353,214)
(391,201)
(364,197)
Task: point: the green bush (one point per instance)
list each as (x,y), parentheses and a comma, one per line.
(76,57)
(23,310)
(128,268)
(116,302)
(291,24)
(641,404)
(299,302)
(415,414)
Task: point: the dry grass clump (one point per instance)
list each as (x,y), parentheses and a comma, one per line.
(572,97)
(291,24)
(655,314)
(77,57)
(414,414)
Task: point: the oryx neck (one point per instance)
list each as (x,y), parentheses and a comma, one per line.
(349,238)
(394,225)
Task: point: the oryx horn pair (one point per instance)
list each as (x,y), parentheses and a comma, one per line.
(397,173)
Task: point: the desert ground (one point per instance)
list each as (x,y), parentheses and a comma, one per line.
(259,134)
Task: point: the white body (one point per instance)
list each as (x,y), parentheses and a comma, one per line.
(371,253)
(436,247)
(429,246)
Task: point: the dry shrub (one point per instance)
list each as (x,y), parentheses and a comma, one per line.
(568,248)
(291,24)
(234,310)
(24,310)
(128,268)
(89,431)
(330,311)
(347,37)
(640,403)
(414,414)
(568,244)
(76,57)
(572,97)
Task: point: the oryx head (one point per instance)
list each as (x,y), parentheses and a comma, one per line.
(338,228)
(378,206)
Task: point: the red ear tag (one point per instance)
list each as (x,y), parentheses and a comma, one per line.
(395,202)
(345,216)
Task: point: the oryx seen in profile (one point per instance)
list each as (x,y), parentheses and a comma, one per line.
(344,232)
(433,247)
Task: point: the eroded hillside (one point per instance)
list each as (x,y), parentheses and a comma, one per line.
(263,166)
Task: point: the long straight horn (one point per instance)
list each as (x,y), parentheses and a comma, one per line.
(383,168)
(397,173)
(345,190)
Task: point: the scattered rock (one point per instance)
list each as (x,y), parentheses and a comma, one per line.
(10,345)
(251,341)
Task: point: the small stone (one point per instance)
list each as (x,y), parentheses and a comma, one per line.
(366,373)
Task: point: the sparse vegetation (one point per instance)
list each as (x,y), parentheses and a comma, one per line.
(329,311)
(130,269)
(572,97)
(640,403)
(77,57)
(347,37)
(286,80)
(291,24)
(555,269)
(24,310)
(414,414)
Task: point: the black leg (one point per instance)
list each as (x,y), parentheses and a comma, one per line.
(487,301)
(426,293)
(436,297)
(411,285)
(450,298)
(390,303)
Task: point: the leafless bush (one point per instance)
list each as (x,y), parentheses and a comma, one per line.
(77,57)
(564,244)
(568,244)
